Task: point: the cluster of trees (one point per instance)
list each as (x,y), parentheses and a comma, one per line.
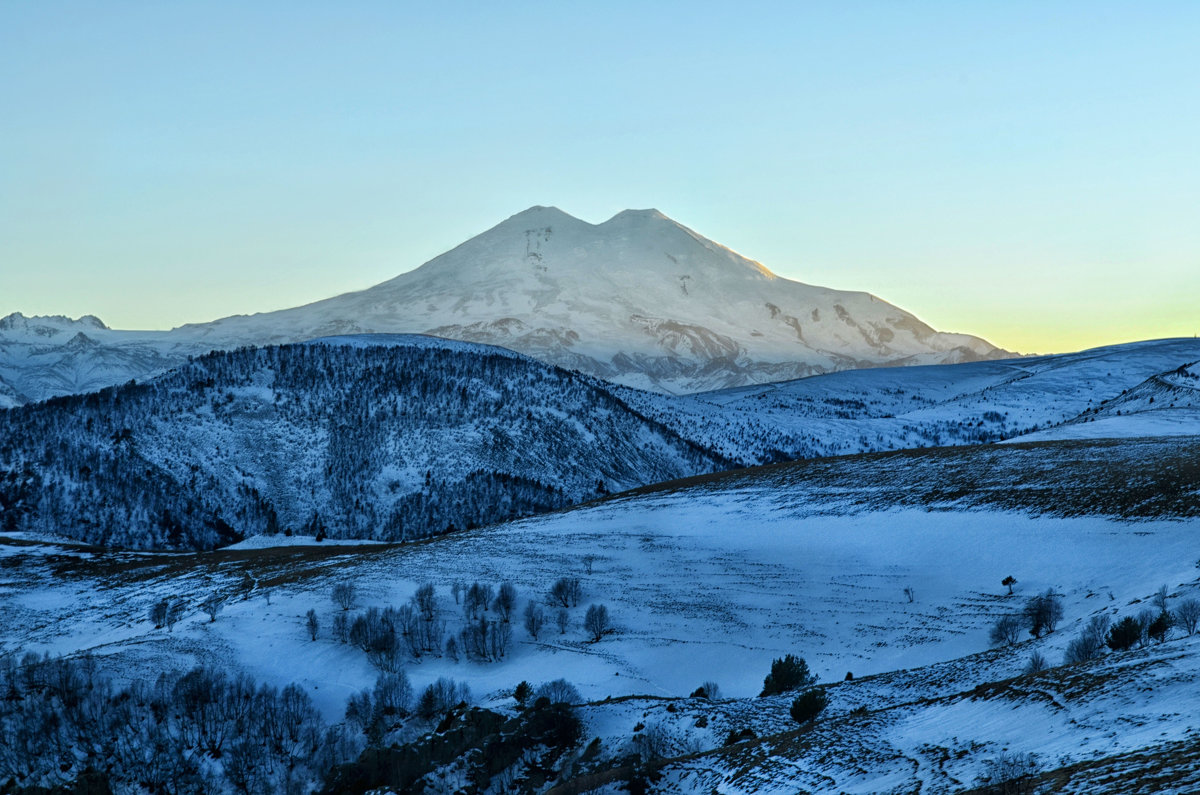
(472,749)
(300,438)
(1043,612)
(390,635)
(790,674)
(65,727)
(1151,625)
(1040,615)
(201,731)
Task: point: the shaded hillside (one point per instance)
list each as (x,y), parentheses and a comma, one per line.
(392,438)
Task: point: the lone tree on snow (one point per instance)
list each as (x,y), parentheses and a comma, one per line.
(1009,582)
(343,595)
(310,620)
(535,619)
(1188,615)
(158,614)
(596,622)
(174,614)
(1006,631)
(212,605)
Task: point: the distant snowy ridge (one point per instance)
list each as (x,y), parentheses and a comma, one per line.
(1138,389)
(639,300)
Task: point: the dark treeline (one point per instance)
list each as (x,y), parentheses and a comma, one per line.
(203,731)
(388,442)
(65,727)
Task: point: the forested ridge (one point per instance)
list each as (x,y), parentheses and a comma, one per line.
(389,442)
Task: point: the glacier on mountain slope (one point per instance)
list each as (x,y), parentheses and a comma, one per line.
(639,300)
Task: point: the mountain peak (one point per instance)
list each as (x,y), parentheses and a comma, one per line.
(541,214)
(46,325)
(637,215)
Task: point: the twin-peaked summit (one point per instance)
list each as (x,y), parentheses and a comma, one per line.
(639,299)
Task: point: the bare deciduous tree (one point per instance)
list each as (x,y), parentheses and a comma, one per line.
(499,640)
(158,613)
(477,600)
(425,601)
(535,619)
(1006,630)
(310,621)
(174,614)
(559,691)
(1036,663)
(1188,615)
(1090,642)
(597,622)
(212,606)
(562,619)
(343,595)
(1043,612)
(341,627)
(506,600)
(1159,599)
(565,592)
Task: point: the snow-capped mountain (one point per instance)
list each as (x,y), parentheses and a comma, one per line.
(48,356)
(639,300)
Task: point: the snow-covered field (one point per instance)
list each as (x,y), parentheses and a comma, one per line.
(709,581)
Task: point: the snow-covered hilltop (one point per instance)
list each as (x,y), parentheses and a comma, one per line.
(380,437)
(639,300)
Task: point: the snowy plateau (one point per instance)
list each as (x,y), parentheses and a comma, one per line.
(639,300)
(489,528)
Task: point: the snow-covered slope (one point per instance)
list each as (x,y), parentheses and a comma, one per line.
(1137,389)
(638,299)
(377,437)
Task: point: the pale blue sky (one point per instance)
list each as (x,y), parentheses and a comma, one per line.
(1029,172)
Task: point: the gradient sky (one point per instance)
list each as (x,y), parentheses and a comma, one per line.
(1028,172)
